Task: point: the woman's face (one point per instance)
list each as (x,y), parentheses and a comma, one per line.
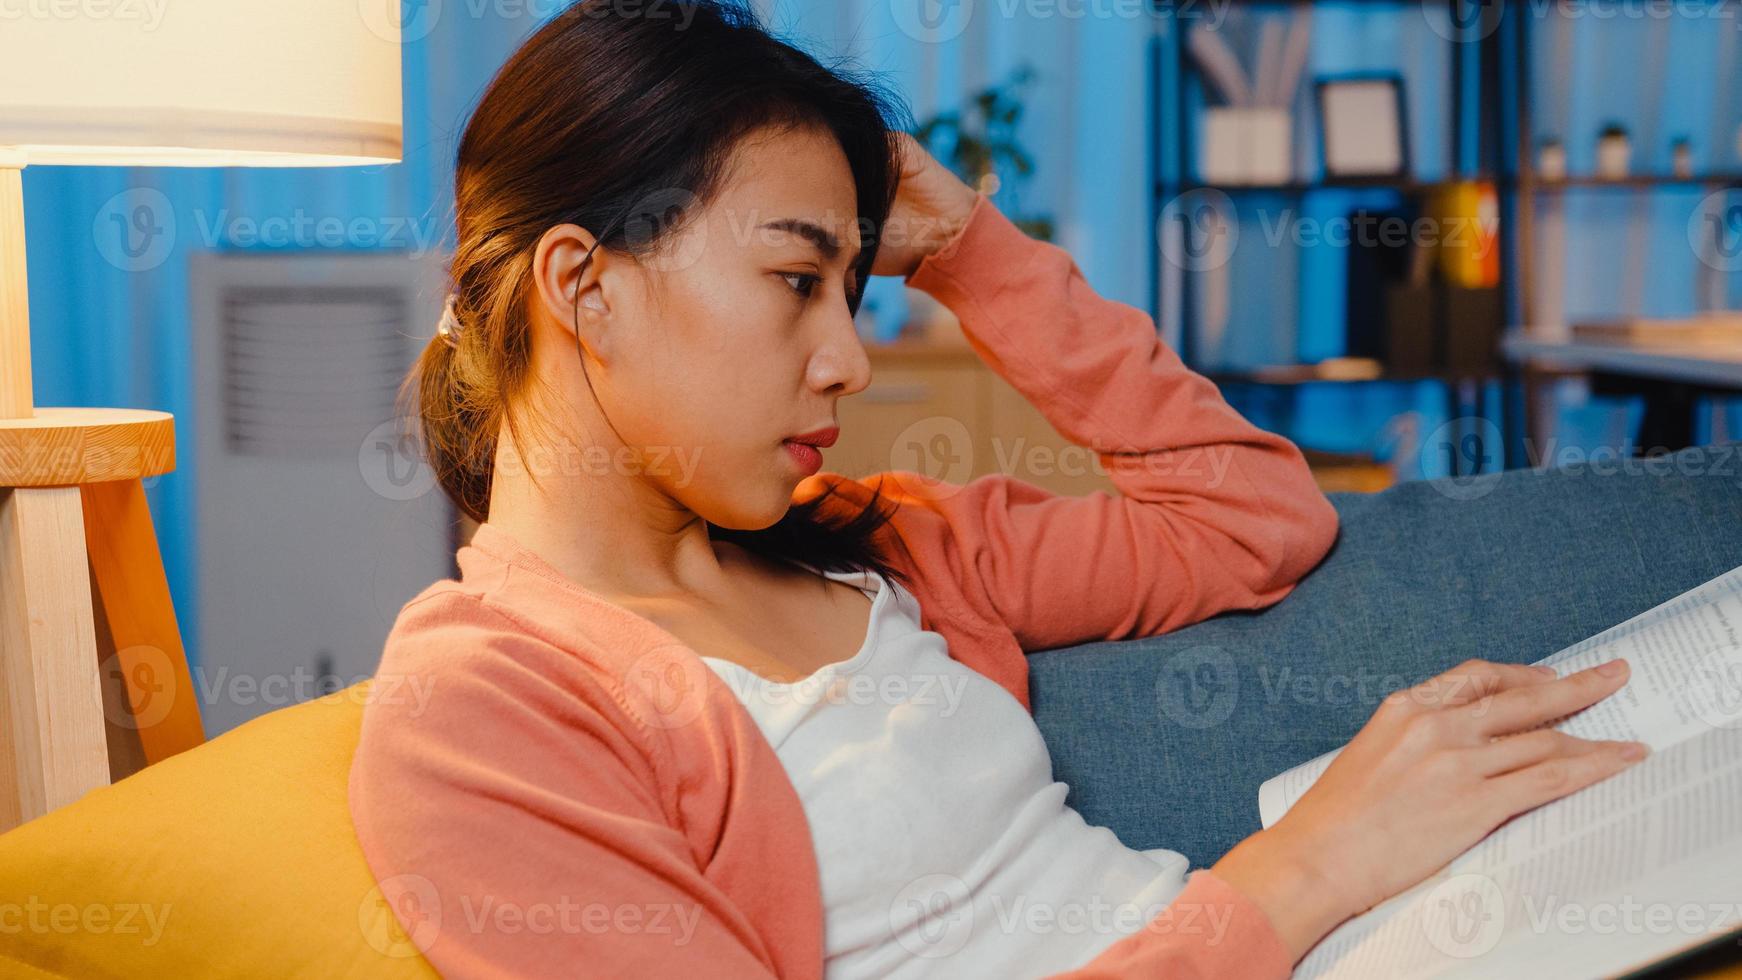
(732,338)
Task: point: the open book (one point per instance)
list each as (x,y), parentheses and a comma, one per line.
(1616,876)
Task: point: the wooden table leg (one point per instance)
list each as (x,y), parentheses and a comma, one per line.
(52,748)
(133,599)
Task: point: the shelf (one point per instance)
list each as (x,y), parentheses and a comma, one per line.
(1704,365)
(1410,186)
(1305,374)
(1406,185)
(1637,182)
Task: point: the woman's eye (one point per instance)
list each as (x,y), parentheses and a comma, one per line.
(809,282)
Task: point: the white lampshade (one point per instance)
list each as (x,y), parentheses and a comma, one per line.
(200,83)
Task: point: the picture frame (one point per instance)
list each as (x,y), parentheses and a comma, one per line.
(1363,125)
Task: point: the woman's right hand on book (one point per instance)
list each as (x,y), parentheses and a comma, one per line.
(1437,767)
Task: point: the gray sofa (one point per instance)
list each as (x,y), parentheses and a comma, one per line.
(1165,740)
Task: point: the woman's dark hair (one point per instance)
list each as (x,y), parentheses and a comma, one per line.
(621,117)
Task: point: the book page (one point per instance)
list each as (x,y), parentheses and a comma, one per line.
(1686,656)
(1620,874)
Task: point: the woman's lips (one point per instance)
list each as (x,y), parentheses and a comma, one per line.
(809,458)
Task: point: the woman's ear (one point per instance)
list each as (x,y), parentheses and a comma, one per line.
(569,287)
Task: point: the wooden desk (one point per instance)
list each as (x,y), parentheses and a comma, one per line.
(1708,366)
(1671,379)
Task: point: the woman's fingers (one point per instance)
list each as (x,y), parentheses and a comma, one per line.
(1522,708)
(1518,751)
(1532,786)
(1473,680)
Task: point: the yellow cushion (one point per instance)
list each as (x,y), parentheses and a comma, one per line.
(233,859)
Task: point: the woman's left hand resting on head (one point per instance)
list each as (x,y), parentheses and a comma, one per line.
(931,206)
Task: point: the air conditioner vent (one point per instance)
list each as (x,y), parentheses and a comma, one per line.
(307,369)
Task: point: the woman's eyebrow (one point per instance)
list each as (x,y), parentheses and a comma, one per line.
(821,237)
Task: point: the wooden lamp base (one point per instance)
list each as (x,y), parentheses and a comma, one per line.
(86,616)
(85,613)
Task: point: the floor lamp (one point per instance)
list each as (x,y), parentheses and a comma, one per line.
(195,83)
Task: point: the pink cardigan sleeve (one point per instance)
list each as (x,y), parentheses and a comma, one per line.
(1212,513)
(513,821)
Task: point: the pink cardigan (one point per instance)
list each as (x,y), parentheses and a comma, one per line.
(581,795)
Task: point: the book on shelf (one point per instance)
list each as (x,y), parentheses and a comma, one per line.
(1617,876)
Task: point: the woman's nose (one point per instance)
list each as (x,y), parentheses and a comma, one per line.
(841,366)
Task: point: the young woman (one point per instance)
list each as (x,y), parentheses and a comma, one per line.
(698,710)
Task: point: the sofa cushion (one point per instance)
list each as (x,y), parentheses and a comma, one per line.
(234,859)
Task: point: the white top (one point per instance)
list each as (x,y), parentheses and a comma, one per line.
(943,843)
